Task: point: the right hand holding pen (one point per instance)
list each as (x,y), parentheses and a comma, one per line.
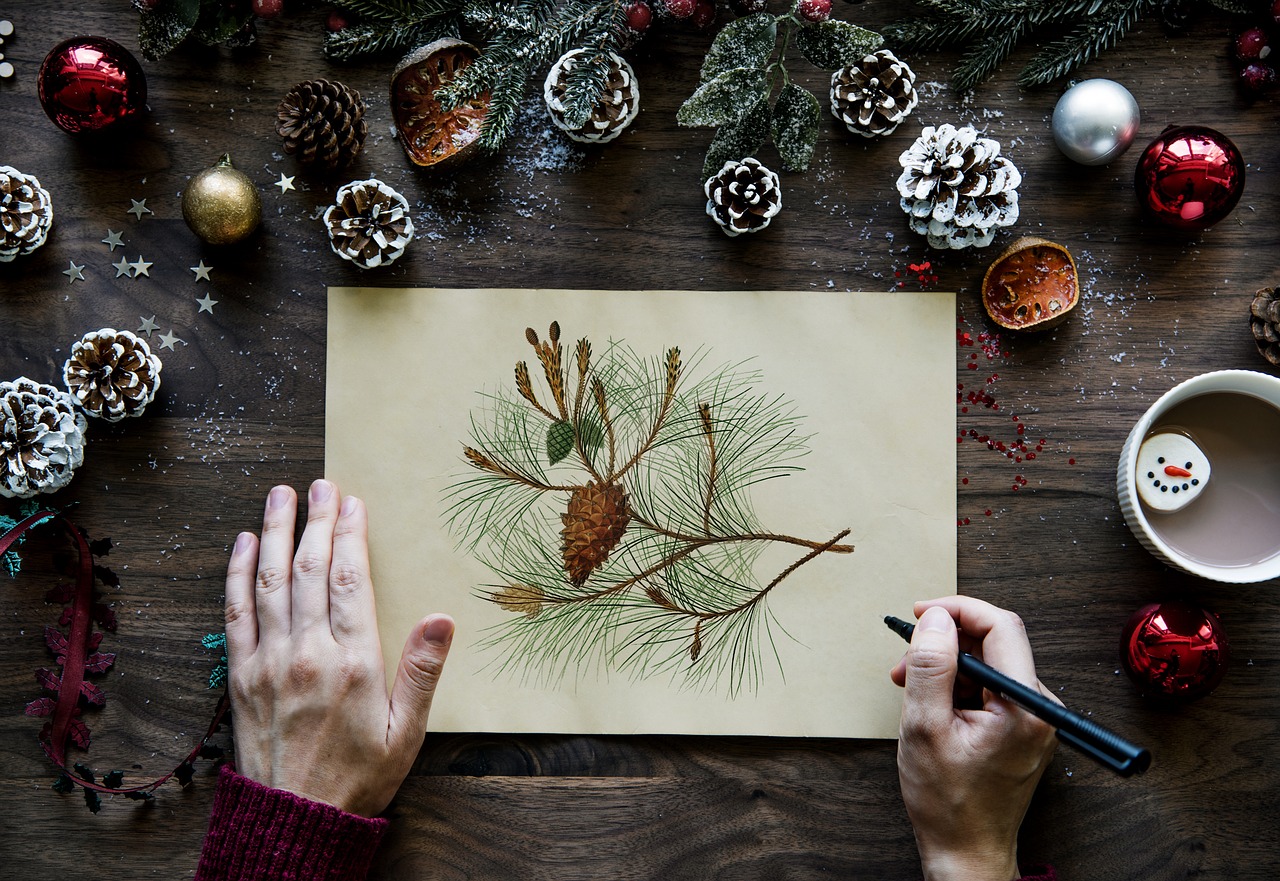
(967,775)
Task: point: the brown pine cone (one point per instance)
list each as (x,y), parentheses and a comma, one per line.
(875,95)
(322,123)
(112,374)
(369,223)
(26,213)
(41,438)
(1264,321)
(616,109)
(593,526)
(743,196)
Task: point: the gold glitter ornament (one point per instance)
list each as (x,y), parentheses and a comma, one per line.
(221,205)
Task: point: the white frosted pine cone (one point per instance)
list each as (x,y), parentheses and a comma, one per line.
(26,213)
(112,374)
(369,223)
(41,438)
(874,96)
(743,196)
(616,109)
(956,187)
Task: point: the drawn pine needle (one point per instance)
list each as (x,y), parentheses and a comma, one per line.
(621,527)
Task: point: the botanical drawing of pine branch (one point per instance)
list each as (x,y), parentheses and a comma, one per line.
(611,496)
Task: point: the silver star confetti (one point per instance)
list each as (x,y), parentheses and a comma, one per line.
(167,341)
(140,267)
(148,325)
(73,273)
(139,208)
(112,241)
(285,184)
(201,271)
(206,304)
(123,268)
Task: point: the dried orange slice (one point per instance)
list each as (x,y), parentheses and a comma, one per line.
(1031,286)
(431,135)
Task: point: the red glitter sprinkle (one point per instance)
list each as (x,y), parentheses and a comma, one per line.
(1071,461)
(965,481)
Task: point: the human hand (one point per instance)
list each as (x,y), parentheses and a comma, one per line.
(307,682)
(967,775)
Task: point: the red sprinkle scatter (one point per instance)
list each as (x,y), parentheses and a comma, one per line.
(923,272)
(975,401)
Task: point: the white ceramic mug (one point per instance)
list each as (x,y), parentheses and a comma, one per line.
(1246,382)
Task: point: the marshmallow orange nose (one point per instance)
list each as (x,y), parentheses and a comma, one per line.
(1175,471)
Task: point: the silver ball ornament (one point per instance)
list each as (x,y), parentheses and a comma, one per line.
(1095,121)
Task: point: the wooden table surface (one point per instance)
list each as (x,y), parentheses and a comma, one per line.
(242,408)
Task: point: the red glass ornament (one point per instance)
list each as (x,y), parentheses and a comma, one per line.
(1174,651)
(1190,177)
(89,84)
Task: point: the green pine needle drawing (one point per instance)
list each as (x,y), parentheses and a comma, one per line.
(612,499)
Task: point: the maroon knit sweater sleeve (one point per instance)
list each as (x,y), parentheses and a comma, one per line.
(1040,873)
(266,834)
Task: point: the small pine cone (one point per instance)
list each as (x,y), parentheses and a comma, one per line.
(743,196)
(593,526)
(369,223)
(957,188)
(41,438)
(112,374)
(874,96)
(26,213)
(1264,321)
(322,123)
(618,105)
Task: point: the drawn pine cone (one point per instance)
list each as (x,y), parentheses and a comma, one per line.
(874,96)
(26,213)
(369,223)
(1264,320)
(743,196)
(41,438)
(616,109)
(322,123)
(112,374)
(593,526)
(957,188)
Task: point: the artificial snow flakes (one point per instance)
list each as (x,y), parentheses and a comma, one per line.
(743,196)
(956,187)
(41,438)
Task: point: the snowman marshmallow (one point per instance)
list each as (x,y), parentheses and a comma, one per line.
(1171,472)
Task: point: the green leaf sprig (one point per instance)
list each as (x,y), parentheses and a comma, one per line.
(746,66)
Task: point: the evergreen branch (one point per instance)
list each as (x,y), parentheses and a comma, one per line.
(1084,43)
(597,389)
(484,463)
(365,38)
(504,104)
(1236,7)
(981,62)
(704,410)
(673,377)
(525,387)
(402,11)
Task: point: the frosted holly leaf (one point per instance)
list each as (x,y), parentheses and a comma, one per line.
(834,44)
(744,42)
(162,30)
(726,99)
(738,140)
(795,126)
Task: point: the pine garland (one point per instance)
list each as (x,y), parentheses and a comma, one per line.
(989,30)
(520,38)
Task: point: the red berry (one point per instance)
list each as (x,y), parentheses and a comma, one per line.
(639,15)
(681,8)
(1257,77)
(704,15)
(268,8)
(338,21)
(1252,45)
(1275,11)
(814,10)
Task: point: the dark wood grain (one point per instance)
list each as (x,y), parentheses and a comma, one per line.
(242,408)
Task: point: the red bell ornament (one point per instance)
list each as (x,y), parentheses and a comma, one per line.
(1190,177)
(90,84)
(1174,651)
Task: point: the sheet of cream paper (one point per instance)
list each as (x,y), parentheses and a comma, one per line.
(873,376)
